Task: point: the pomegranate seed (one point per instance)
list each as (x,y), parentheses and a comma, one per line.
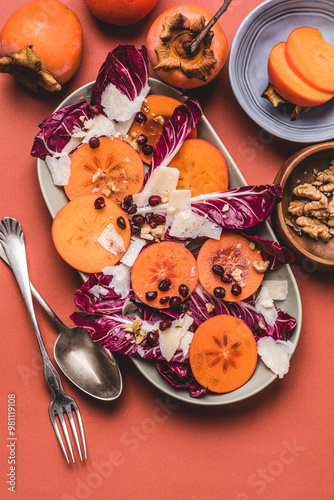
(175,301)
(151,295)
(183,290)
(138,220)
(147,149)
(99,203)
(151,338)
(135,230)
(132,209)
(164,285)
(164,300)
(236,289)
(183,307)
(227,278)
(128,200)
(153,201)
(94,142)
(218,270)
(95,110)
(165,324)
(159,219)
(141,139)
(219,292)
(140,118)
(121,222)
(149,217)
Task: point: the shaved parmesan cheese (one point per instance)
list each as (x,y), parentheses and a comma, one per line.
(60,168)
(161,183)
(169,340)
(185,342)
(111,240)
(101,126)
(120,279)
(119,107)
(275,354)
(136,244)
(188,224)
(98,290)
(179,200)
(264,305)
(278,289)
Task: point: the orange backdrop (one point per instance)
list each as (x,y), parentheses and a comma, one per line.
(277,445)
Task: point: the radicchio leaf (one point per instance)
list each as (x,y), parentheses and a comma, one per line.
(109,331)
(272,251)
(108,302)
(200,299)
(240,208)
(174,132)
(126,69)
(180,375)
(55,131)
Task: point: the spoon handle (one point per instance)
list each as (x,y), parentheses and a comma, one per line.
(12,241)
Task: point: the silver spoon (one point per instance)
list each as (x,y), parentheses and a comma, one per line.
(87,364)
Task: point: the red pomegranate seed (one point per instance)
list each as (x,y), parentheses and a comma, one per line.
(138,220)
(147,149)
(99,203)
(140,118)
(141,139)
(94,142)
(164,300)
(151,295)
(128,200)
(236,289)
(219,292)
(159,219)
(175,301)
(132,209)
(135,230)
(218,270)
(154,200)
(183,290)
(121,222)
(165,324)
(227,278)
(164,285)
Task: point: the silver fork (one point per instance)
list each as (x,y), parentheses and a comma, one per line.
(12,240)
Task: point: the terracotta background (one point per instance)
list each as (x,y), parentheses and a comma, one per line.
(276,445)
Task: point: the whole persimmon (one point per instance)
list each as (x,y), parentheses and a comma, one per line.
(41,45)
(120,12)
(168,41)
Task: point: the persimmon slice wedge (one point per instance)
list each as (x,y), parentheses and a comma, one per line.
(77,228)
(311,57)
(203,168)
(288,84)
(236,256)
(114,169)
(223,353)
(157,110)
(158,263)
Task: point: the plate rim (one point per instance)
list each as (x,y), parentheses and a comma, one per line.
(182,394)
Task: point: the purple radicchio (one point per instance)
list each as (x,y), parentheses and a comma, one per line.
(97,295)
(111,332)
(272,251)
(174,132)
(122,82)
(181,376)
(199,301)
(238,209)
(56,130)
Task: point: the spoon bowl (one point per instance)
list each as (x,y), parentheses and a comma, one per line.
(87,364)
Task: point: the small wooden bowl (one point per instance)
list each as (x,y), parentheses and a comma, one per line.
(314,255)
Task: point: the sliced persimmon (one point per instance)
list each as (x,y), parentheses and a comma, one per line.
(203,168)
(164,274)
(311,57)
(77,229)
(288,84)
(113,169)
(157,110)
(223,353)
(227,267)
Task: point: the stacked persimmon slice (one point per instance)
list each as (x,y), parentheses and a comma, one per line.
(302,69)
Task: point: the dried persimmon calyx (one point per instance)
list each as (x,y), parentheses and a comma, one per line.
(26,67)
(173,53)
(271,94)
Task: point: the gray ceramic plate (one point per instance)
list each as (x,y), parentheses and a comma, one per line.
(269,23)
(55,199)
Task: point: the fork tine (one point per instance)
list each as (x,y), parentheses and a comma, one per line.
(55,426)
(82,434)
(67,437)
(74,430)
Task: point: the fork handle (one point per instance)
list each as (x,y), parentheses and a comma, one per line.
(12,240)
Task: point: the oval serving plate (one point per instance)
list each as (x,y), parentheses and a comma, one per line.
(269,23)
(55,199)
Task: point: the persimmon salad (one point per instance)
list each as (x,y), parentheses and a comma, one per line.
(178,273)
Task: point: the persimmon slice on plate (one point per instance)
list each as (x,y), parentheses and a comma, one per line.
(223,353)
(113,169)
(235,255)
(78,227)
(164,274)
(203,168)
(157,110)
